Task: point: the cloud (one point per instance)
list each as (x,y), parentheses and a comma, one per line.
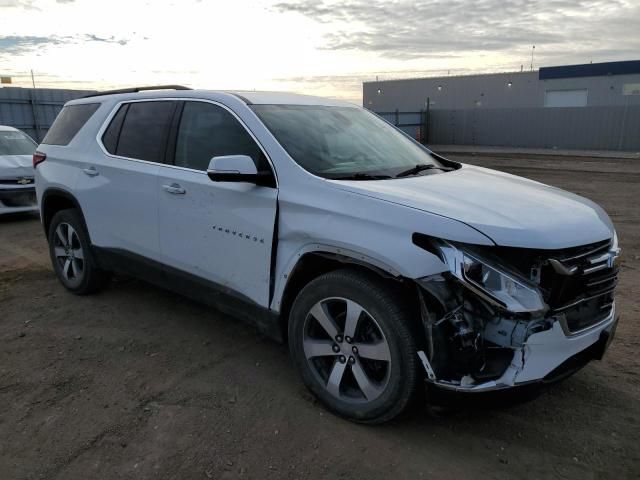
(111,39)
(16,45)
(26,4)
(19,44)
(414,29)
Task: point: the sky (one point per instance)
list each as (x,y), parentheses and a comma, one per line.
(318,47)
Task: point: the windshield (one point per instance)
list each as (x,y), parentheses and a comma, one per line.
(344,142)
(16,143)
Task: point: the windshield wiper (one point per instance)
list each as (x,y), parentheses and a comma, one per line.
(420,168)
(361,176)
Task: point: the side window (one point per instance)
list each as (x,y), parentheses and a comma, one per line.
(112,133)
(208,131)
(69,122)
(144,130)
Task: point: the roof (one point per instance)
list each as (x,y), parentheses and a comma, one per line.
(544,73)
(249,97)
(453,77)
(284,98)
(591,70)
(6,128)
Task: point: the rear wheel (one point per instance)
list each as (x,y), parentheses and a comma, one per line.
(352,343)
(71,256)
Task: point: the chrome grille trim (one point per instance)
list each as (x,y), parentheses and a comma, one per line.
(604,246)
(586,282)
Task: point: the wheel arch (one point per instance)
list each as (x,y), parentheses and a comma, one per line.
(313,264)
(54,200)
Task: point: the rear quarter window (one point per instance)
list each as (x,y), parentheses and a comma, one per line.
(69,122)
(112,133)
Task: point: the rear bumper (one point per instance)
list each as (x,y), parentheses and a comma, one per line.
(545,357)
(17,198)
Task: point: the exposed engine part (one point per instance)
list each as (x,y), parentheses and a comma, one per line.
(511,333)
(469,338)
(464,334)
(535,273)
(431,375)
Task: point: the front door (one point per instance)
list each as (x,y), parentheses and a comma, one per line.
(220,232)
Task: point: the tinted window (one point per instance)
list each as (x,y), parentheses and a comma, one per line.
(111,134)
(144,131)
(69,122)
(16,143)
(208,131)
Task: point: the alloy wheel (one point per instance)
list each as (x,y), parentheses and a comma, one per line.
(69,254)
(347,350)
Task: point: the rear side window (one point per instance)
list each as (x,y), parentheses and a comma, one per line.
(16,143)
(207,131)
(144,130)
(69,122)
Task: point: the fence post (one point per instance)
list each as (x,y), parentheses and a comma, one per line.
(397,121)
(425,121)
(36,123)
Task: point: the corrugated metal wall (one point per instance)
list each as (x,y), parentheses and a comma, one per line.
(500,90)
(33,110)
(584,128)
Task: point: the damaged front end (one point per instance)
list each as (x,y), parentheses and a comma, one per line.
(503,317)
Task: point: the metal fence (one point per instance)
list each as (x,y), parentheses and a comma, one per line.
(33,110)
(583,128)
(415,124)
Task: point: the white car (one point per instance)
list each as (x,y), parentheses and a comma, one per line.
(382,264)
(17,190)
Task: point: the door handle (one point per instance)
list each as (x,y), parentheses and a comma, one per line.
(91,171)
(174,188)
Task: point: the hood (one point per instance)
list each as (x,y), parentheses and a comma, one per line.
(16,166)
(511,210)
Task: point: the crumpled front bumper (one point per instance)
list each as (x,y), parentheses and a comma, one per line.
(542,356)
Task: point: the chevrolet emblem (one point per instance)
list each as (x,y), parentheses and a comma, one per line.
(24,181)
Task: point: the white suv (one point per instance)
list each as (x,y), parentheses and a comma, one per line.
(382,264)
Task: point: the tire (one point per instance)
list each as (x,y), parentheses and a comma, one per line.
(71,256)
(371,387)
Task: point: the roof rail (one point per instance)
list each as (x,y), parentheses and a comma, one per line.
(137,89)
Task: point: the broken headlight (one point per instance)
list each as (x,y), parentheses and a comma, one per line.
(493,283)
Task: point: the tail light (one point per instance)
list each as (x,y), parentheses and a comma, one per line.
(38,157)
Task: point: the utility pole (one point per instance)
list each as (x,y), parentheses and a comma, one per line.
(33,80)
(532,52)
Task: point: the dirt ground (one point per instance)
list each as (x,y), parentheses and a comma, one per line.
(137,382)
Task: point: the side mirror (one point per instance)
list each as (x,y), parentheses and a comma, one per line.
(237,168)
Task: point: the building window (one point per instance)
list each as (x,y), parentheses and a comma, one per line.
(631,89)
(566,98)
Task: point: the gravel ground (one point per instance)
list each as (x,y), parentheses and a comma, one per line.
(137,382)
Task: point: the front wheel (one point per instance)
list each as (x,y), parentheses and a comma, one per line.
(351,340)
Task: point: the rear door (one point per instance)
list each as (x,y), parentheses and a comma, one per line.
(118,189)
(220,232)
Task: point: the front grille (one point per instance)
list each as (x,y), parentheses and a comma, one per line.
(17,181)
(580,285)
(18,198)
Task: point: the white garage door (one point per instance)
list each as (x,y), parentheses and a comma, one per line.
(565,98)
